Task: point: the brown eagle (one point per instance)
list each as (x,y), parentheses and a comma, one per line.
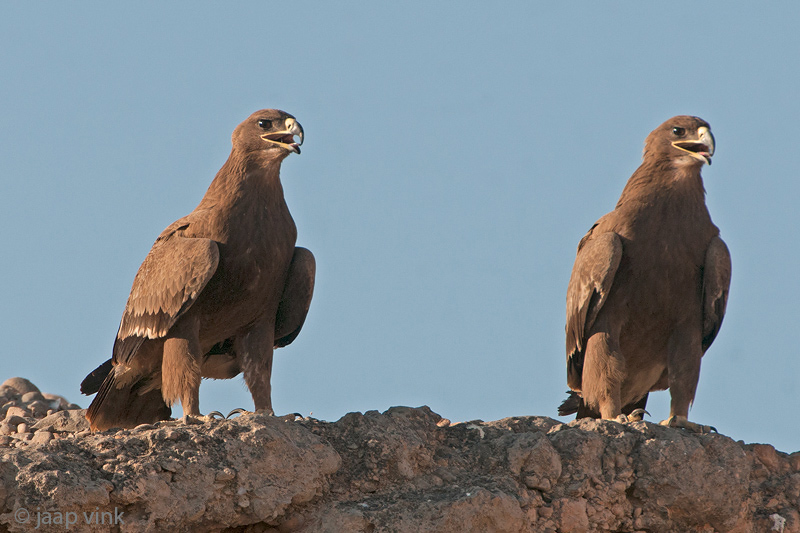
(220,289)
(649,286)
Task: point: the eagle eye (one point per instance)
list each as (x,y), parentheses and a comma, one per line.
(678,132)
(265,124)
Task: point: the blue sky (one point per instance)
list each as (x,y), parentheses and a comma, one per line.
(454,156)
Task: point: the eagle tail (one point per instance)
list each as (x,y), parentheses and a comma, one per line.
(126,406)
(575,404)
(94,380)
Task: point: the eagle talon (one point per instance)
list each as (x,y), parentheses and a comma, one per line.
(683,423)
(637,415)
(213,415)
(239,411)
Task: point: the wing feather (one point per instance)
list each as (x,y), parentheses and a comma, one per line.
(296,298)
(171,277)
(592,276)
(716,284)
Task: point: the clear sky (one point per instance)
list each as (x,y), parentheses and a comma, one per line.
(455,154)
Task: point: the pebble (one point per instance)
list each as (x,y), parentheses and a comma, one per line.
(38,407)
(41,437)
(22,428)
(32,396)
(21,385)
(17,411)
(226,474)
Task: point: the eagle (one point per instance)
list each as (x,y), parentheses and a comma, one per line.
(649,286)
(220,289)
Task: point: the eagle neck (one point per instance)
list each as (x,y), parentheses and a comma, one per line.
(245,180)
(660,181)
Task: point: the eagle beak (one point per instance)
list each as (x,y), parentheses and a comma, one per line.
(285,138)
(702,148)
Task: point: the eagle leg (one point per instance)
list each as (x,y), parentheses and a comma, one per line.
(255,348)
(676,421)
(180,367)
(603,372)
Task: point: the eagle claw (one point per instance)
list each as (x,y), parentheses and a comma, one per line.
(637,415)
(682,422)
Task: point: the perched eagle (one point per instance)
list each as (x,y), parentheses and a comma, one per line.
(649,286)
(220,289)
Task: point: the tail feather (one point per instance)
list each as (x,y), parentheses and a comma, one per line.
(575,404)
(94,380)
(126,406)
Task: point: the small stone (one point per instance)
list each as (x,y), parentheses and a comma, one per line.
(443,423)
(38,407)
(171,466)
(6,428)
(42,437)
(22,428)
(225,474)
(21,385)
(17,411)
(369,486)
(767,455)
(794,461)
(71,421)
(536,483)
(32,396)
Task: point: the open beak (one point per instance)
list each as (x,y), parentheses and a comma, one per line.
(702,148)
(285,138)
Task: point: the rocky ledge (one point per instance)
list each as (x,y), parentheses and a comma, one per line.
(405,470)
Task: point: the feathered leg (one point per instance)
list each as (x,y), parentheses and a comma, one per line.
(254,348)
(181,367)
(603,372)
(684,373)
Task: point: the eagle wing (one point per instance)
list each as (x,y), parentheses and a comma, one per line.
(296,298)
(716,283)
(171,277)
(589,285)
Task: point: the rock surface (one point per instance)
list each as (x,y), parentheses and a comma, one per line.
(405,470)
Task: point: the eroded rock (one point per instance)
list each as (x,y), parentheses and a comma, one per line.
(402,470)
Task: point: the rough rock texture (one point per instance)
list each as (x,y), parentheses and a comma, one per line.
(406,470)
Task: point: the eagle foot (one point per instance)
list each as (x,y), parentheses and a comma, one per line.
(239,411)
(637,415)
(682,422)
